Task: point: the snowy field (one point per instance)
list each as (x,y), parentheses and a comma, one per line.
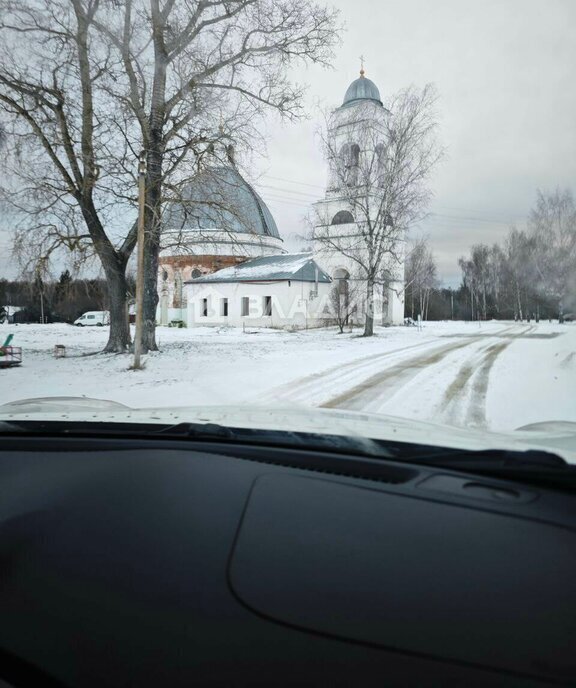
(497,375)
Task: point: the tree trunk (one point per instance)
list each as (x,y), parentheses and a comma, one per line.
(154,158)
(519,302)
(369,322)
(114,266)
(119,338)
(152,230)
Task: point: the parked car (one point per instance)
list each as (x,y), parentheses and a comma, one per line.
(98,318)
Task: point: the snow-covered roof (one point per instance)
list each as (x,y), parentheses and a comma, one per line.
(300,267)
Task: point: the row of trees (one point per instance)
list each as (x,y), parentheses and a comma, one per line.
(533,272)
(530,274)
(62,300)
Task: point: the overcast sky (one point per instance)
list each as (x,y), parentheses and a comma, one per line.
(505,71)
(506,74)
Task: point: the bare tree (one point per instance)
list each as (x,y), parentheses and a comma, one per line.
(552,228)
(86,84)
(344,298)
(420,276)
(379,177)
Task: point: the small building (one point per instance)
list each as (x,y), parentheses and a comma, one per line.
(286,291)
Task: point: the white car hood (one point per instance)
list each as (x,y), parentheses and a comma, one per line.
(555,436)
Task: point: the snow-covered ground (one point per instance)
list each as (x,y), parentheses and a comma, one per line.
(497,375)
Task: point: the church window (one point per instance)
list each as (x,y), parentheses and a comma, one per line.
(245,306)
(164,275)
(380,163)
(178,293)
(342,217)
(224,308)
(341,277)
(354,155)
(267,305)
(352,164)
(205,308)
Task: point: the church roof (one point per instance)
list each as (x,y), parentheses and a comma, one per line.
(300,267)
(362,89)
(220,198)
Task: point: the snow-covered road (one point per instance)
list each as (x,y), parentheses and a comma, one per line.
(494,375)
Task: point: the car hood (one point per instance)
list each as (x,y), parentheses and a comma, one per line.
(554,436)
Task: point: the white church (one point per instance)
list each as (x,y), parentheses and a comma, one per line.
(223,261)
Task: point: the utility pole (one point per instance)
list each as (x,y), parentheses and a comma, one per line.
(140,265)
(452,302)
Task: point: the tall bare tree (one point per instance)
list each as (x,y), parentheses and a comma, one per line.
(380,178)
(86,84)
(552,227)
(420,276)
(344,298)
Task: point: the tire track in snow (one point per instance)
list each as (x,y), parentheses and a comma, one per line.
(466,395)
(319,388)
(391,380)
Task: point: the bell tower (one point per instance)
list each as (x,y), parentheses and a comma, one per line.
(355,146)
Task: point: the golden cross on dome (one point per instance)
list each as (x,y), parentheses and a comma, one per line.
(361,65)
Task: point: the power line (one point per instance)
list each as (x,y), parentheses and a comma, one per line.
(293,181)
(292,191)
(506,219)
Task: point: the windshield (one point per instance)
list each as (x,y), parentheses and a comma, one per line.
(349,217)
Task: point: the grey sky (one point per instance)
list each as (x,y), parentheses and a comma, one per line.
(506,74)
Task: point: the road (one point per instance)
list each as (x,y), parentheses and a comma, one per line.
(445,381)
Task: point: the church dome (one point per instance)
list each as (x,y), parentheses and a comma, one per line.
(362,89)
(220,198)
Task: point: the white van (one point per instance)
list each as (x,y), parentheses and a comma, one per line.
(99,318)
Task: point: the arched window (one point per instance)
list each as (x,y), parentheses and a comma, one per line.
(380,163)
(354,155)
(353,165)
(350,160)
(342,217)
(195,273)
(341,277)
(164,275)
(177,302)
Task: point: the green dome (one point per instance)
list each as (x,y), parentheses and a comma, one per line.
(362,89)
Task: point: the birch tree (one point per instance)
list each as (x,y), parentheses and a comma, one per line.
(85,85)
(552,228)
(420,276)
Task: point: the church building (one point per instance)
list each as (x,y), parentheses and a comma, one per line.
(221,223)
(356,144)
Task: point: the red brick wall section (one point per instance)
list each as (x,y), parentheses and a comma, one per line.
(206,264)
(184,265)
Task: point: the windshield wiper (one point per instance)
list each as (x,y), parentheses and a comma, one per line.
(281,438)
(537,467)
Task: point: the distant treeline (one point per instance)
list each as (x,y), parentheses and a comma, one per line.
(531,274)
(63,300)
